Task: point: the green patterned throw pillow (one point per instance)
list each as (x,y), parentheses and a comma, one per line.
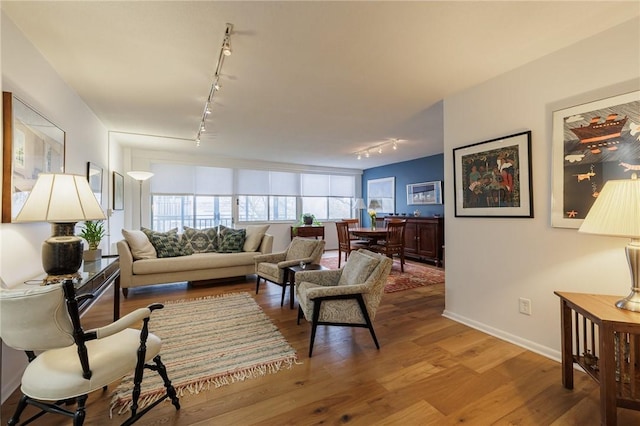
(167,244)
(231,240)
(199,240)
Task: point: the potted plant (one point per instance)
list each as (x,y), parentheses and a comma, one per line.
(93,232)
(306,219)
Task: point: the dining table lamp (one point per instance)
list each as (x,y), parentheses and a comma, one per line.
(140,176)
(62,200)
(616,213)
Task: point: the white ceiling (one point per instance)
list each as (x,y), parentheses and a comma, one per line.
(308,82)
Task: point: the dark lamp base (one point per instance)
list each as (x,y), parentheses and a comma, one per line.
(62,252)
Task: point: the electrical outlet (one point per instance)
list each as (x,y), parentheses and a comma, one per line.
(525,306)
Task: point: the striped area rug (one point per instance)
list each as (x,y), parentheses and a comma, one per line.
(212,341)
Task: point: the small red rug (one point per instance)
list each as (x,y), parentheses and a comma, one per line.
(412,277)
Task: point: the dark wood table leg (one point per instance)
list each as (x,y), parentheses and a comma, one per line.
(292,278)
(567,349)
(116,298)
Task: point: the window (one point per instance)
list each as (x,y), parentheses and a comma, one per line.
(178,211)
(202,197)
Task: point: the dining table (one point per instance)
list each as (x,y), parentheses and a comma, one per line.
(370,234)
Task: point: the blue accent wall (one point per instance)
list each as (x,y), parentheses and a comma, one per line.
(424,169)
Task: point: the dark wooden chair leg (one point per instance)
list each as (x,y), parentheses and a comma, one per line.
(365,314)
(314,324)
(171,391)
(125,292)
(78,418)
(299,314)
(19,409)
(257,283)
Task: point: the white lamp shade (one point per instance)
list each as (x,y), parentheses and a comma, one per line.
(616,211)
(60,198)
(140,175)
(359,204)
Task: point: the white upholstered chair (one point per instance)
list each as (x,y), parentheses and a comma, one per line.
(272,266)
(344,297)
(74,362)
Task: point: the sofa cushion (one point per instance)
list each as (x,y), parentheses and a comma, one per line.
(357,269)
(231,240)
(194,262)
(199,240)
(141,247)
(167,244)
(254,237)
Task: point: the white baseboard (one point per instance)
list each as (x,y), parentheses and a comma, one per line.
(511,338)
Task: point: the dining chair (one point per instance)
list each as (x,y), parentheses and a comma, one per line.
(393,243)
(345,243)
(72,362)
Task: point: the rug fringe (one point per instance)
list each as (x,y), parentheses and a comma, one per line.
(196,387)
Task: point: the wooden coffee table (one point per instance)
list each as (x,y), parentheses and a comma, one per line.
(290,278)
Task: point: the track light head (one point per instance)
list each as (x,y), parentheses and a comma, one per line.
(380,150)
(226,47)
(359,156)
(366,154)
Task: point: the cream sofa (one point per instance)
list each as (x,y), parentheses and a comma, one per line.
(194,267)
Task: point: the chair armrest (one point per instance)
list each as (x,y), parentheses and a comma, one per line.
(324,278)
(122,324)
(292,262)
(340,290)
(269,257)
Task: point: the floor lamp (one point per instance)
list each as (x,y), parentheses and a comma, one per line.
(140,176)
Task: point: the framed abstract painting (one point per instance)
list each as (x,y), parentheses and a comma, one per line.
(592,143)
(493,178)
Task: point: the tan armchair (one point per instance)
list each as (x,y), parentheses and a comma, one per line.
(272,267)
(344,297)
(74,363)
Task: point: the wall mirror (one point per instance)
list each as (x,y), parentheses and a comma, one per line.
(31,145)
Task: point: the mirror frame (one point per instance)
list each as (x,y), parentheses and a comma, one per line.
(31,145)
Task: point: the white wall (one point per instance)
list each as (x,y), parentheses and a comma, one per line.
(30,77)
(493,262)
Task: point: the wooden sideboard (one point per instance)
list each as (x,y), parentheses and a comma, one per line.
(308,231)
(423,237)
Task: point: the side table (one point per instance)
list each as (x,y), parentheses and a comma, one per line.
(290,279)
(308,231)
(605,342)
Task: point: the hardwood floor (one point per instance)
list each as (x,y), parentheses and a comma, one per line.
(428,371)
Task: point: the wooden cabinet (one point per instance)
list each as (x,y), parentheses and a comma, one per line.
(423,236)
(308,231)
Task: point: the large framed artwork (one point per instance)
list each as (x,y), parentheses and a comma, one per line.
(493,178)
(118,191)
(94,176)
(381,195)
(31,145)
(592,143)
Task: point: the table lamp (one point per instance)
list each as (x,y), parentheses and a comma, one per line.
(62,200)
(616,213)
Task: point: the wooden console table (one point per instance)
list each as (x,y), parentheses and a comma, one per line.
(308,231)
(95,278)
(605,342)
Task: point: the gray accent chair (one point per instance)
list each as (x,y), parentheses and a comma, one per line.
(343,297)
(74,362)
(272,267)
